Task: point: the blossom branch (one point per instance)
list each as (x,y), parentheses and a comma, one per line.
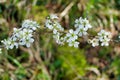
(24,35)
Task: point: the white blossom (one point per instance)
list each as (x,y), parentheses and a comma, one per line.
(53,16)
(24,35)
(105,42)
(55,31)
(86,23)
(0,50)
(119,37)
(82,22)
(104,34)
(104,37)
(73,43)
(81,31)
(71,36)
(21,36)
(53,24)
(16,31)
(48,24)
(57,26)
(82,26)
(94,42)
(78,22)
(28,41)
(30,24)
(9,43)
(27,33)
(58,38)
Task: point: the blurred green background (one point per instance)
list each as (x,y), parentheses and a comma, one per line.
(46,60)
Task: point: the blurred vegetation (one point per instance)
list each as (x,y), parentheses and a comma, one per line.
(46,60)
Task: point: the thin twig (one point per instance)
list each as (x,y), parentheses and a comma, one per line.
(66,10)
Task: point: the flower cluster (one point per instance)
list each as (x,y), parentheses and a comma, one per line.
(82,26)
(94,42)
(71,38)
(21,36)
(52,24)
(24,35)
(103,37)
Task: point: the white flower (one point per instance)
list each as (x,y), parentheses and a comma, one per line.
(71,36)
(61,41)
(82,22)
(48,24)
(55,31)
(28,41)
(16,34)
(119,37)
(105,42)
(30,24)
(58,38)
(73,43)
(57,26)
(94,42)
(16,31)
(81,31)
(0,50)
(53,24)
(104,34)
(21,36)
(86,24)
(78,22)
(6,43)
(27,32)
(53,16)
(104,37)
(9,43)
(26,38)
(82,26)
